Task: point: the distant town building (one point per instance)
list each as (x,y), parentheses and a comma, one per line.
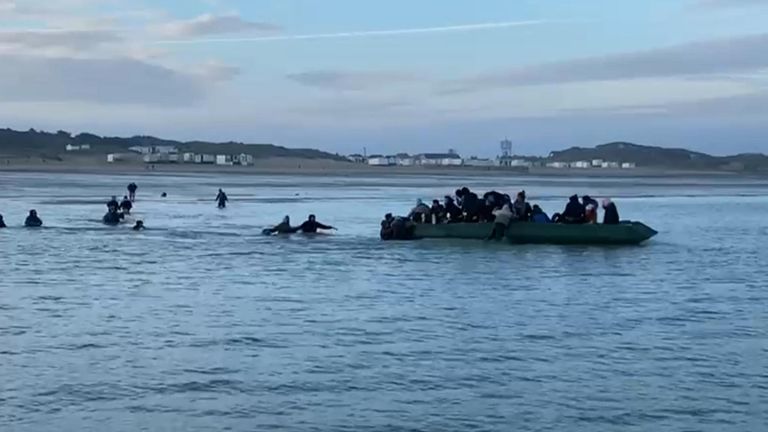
(558,165)
(597,163)
(145,150)
(71,148)
(479,162)
(205,159)
(158,158)
(188,157)
(224,160)
(378,160)
(357,158)
(511,162)
(439,159)
(581,164)
(628,165)
(404,159)
(116,157)
(611,165)
(242,159)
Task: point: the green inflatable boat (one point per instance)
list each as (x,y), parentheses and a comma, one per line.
(626,233)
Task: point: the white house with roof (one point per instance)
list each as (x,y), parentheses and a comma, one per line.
(439,159)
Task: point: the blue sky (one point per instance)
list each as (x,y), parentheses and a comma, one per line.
(393,75)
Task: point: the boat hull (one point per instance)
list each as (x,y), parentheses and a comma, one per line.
(628,233)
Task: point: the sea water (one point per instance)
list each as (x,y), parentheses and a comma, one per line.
(200,323)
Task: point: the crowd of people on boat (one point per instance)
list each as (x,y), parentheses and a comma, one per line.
(466,206)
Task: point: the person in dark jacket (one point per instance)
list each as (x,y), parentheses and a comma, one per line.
(113,217)
(452,210)
(539,216)
(402,229)
(283,227)
(311,225)
(132,191)
(2,222)
(420,213)
(470,205)
(138,226)
(112,203)
(33,220)
(611,216)
(587,201)
(495,199)
(438,212)
(126,205)
(386,232)
(222,199)
(522,208)
(574,212)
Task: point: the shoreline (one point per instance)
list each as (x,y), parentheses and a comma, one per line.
(311,167)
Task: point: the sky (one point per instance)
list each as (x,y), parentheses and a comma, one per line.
(394,75)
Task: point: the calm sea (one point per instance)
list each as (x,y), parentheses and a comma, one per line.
(202,324)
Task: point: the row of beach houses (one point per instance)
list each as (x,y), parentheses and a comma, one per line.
(170,154)
(453,159)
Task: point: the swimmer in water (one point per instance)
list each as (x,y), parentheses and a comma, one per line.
(33,220)
(139,225)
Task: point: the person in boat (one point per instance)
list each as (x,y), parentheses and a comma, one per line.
(113,217)
(112,203)
(539,216)
(611,213)
(470,205)
(33,220)
(502,219)
(587,200)
(138,226)
(420,213)
(452,211)
(495,199)
(222,199)
(522,208)
(590,214)
(438,212)
(574,212)
(2,222)
(386,232)
(126,205)
(132,191)
(459,197)
(311,225)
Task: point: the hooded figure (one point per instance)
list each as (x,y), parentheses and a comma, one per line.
(574,211)
(139,225)
(2,222)
(126,205)
(386,232)
(437,211)
(312,225)
(33,221)
(132,191)
(222,199)
(539,216)
(611,216)
(112,203)
(470,205)
(495,199)
(420,213)
(523,210)
(113,217)
(283,227)
(452,210)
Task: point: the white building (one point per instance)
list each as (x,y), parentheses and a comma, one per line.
(611,165)
(224,160)
(404,159)
(581,164)
(356,158)
(161,158)
(70,147)
(439,159)
(115,157)
(628,165)
(188,157)
(597,163)
(141,149)
(378,160)
(205,159)
(477,162)
(243,159)
(558,165)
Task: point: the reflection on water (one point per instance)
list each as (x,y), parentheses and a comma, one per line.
(200,323)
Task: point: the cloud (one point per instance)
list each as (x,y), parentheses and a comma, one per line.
(746,53)
(213,24)
(69,40)
(338,80)
(366,33)
(105,81)
(214,71)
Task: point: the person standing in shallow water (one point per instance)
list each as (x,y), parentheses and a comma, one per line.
(222,199)
(132,191)
(33,220)
(126,205)
(2,222)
